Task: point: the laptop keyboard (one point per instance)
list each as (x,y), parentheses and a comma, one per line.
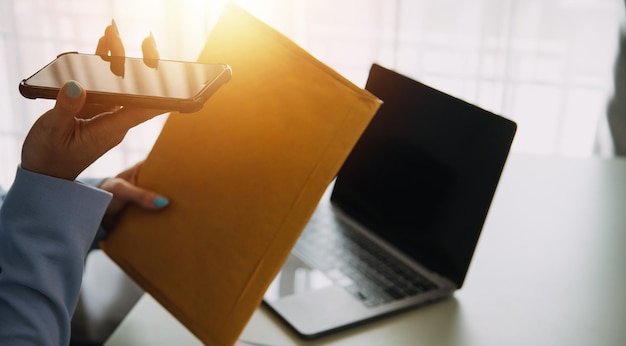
(356,263)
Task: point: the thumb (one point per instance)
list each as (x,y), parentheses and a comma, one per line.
(46,148)
(71,98)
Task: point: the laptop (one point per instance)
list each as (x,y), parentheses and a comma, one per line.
(398,227)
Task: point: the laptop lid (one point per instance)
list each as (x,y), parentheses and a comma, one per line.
(424,172)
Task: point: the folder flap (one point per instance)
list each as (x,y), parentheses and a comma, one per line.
(243,176)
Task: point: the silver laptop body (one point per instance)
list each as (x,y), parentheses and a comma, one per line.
(398,227)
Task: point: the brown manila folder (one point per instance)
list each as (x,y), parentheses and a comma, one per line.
(243,176)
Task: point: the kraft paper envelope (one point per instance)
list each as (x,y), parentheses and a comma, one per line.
(243,176)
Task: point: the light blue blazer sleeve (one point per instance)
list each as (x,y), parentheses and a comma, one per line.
(46,228)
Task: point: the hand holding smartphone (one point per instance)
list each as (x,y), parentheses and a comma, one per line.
(114,80)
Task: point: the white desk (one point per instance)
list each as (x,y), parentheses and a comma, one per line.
(550,269)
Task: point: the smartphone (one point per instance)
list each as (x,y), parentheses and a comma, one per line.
(122,81)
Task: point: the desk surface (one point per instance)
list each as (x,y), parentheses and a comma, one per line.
(548,270)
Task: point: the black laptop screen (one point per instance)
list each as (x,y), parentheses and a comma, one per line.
(424,172)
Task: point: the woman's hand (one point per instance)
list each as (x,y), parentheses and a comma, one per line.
(62,144)
(125,190)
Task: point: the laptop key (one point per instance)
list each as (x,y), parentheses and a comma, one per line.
(395,293)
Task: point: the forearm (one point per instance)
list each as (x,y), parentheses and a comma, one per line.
(46,228)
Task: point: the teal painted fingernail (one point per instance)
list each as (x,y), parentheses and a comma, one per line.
(73,90)
(160,202)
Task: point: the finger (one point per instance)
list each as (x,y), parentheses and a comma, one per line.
(115,125)
(111,49)
(125,191)
(121,121)
(113,41)
(70,100)
(102,48)
(149,48)
(118,65)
